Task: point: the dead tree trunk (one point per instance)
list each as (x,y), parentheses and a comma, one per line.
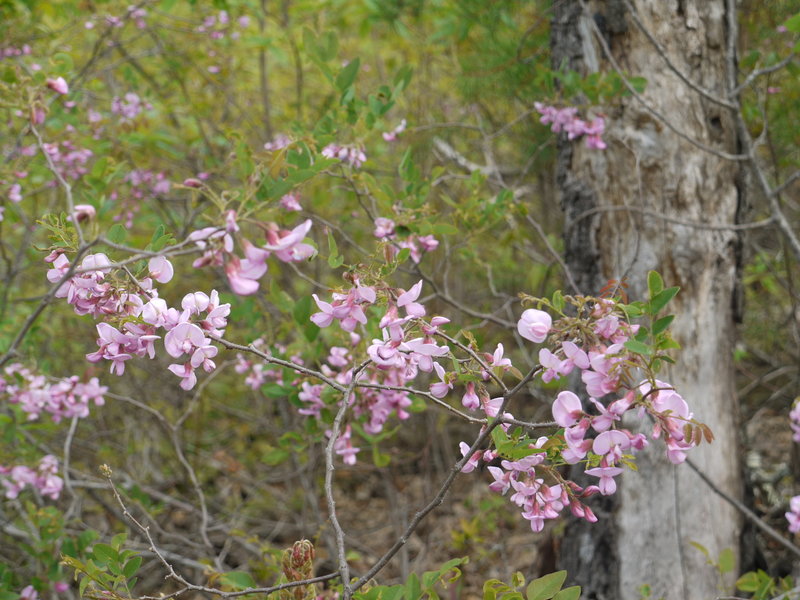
(654,200)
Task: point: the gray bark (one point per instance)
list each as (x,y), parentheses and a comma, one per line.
(610,233)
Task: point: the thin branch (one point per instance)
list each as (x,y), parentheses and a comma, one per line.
(661,51)
(661,217)
(444,488)
(344,568)
(667,123)
(187,586)
(749,514)
(759,72)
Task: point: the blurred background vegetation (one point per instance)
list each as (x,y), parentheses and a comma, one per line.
(474,167)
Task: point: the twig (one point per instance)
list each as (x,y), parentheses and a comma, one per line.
(61,181)
(661,51)
(444,488)
(751,516)
(759,72)
(655,215)
(344,568)
(667,123)
(171,573)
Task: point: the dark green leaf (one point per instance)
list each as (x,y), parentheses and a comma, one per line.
(662,324)
(347,75)
(662,299)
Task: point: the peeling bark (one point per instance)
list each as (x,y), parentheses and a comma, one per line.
(647,168)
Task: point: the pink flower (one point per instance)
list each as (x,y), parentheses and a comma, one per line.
(58,85)
(83,212)
(29,593)
(408,300)
(606,474)
(290,202)
(567,409)
(611,445)
(287,245)
(160,269)
(391,136)
(472,463)
(186,373)
(793,516)
(534,325)
(441,388)
(183,339)
(470,399)
(384,228)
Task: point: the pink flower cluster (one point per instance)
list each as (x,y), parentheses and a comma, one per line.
(69,160)
(539,502)
(217,26)
(129,107)
(43,479)
(13,51)
(416,244)
(258,372)
(143,184)
(243,273)
(279,142)
(396,359)
(351,155)
(566,120)
(600,360)
(142,313)
(137,14)
(62,399)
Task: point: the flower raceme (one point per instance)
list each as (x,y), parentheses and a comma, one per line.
(594,344)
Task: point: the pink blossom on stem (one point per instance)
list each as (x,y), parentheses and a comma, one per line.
(534,325)
(58,85)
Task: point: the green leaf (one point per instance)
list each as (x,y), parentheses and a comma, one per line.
(570,593)
(793,24)
(654,283)
(638,347)
(662,324)
(413,591)
(238,580)
(157,234)
(118,540)
(727,561)
(748,582)
(104,554)
(662,299)
(379,458)
(275,456)
(546,587)
(117,233)
(638,83)
(132,566)
(347,76)
(302,310)
(334,260)
(5,595)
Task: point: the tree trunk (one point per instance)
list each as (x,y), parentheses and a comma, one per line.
(626,212)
